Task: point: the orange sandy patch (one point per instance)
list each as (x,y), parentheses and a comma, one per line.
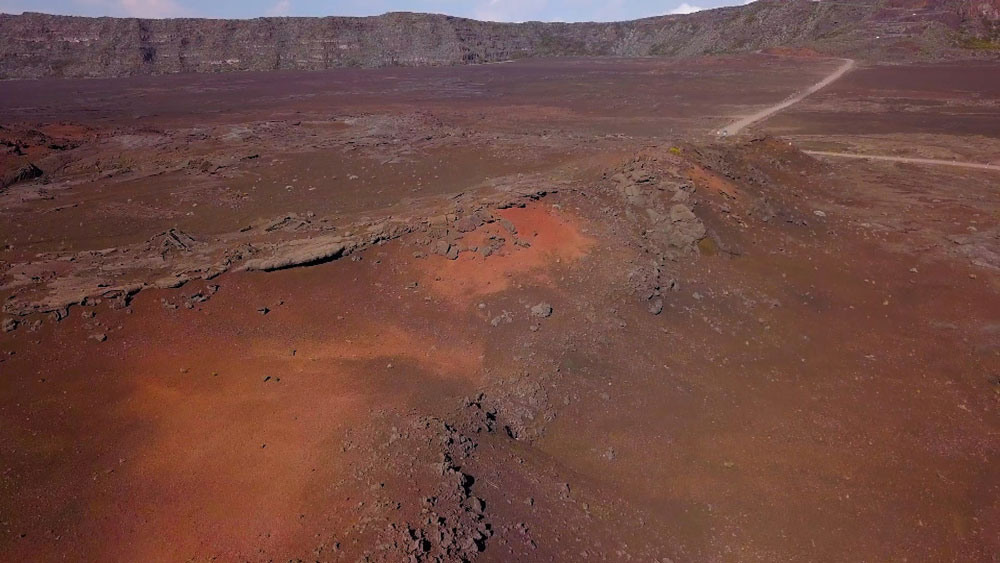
(388,343)
(66,131)
(244,450)
(554,237)
(226,443)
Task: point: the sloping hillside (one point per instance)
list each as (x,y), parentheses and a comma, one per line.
(39,45)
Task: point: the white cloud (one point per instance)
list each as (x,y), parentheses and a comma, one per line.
(685,8)
(280,8)
(510,10)
(136,8)
(151,8)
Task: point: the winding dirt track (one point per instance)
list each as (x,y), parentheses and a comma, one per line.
(737,126)
(907,160)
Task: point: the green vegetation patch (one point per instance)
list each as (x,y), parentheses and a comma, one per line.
(980,44)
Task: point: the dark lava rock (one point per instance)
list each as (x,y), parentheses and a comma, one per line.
(441,248)
(542,310)
(22,174)
(656,307)
(468,223)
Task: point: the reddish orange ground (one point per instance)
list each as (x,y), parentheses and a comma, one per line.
(817,387)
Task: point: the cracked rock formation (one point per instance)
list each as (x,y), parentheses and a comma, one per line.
(36,45)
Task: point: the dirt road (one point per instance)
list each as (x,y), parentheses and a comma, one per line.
(737,126)
(908,160)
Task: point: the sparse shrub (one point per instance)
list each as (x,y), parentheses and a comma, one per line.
(979,44)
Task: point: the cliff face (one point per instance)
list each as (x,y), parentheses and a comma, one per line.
(984,17)
(39,45)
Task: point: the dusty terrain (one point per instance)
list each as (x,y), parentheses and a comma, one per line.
(535,311)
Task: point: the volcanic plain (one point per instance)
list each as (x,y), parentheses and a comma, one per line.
(529,311)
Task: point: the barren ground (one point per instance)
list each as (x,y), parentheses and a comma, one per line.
(519,312)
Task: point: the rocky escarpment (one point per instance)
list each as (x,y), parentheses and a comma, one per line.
(38,45)
(983,16)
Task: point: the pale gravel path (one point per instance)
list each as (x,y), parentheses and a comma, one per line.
(737,126)
(907,160)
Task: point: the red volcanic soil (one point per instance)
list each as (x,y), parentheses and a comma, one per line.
(494,331)
(547,240)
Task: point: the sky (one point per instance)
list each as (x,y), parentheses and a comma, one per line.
(493,10)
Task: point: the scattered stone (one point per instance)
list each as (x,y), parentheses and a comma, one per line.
(171,282)
(468,223)
(476,505)
(656,307)
(121,298)
(290,222)
(542,310)
(24,173)
(564,491)
(263,310)
(441,248)
(174,239)
(10,325)
(504,317)
(100,337)
(819,213)
(508,226)
(299,252)
(199,298)
(59,314)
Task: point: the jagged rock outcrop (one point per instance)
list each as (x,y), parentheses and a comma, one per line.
(37,45)
(983,16)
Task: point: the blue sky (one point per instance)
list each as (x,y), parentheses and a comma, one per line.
(497,10)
